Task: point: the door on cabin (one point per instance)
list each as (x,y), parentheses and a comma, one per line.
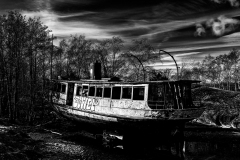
(70,92)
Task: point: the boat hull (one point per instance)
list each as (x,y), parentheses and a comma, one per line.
(157,121)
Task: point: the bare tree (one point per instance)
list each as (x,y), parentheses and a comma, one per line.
(137,57)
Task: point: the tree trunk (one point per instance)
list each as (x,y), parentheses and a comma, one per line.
(31,87)
(9,93)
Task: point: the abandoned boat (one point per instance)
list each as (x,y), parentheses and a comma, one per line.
(155,110)
(121,105)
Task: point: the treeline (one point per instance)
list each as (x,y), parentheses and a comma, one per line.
(25,47)
(28,60)
(76,54)
(221,71)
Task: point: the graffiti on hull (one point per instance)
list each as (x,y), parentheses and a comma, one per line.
(85,103)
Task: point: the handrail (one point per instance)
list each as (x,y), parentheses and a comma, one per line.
(172,58)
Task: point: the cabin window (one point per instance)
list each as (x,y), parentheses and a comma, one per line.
(156,92)
(156,96)
(187,91)
(107,92)
(63,90)
(99,92)
(70,88)
(138,93)
(127,92)
(92,91)
(79,91)
(187,97)
(85,91)
(116,92)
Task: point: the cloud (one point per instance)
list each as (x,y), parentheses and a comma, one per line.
(130,19)
(78,14)
(64,29)
(223,25)
(24,5)
(167,61)
(158,21)
(65,6)
(180,55)
(184,28)
(187,54)
(163,64)
(234,3)
(200,30)
(217,27)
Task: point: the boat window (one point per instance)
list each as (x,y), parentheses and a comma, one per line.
(170,99)
(116,92)
(63,90)
(85,91)
(99,92)
(156,92)
(187,97)
(127,92)
(79,91)
(107,92)
(70,88)
(138,93)
(92,91)
(187,91)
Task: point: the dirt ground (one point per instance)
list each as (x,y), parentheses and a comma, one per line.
(60,140)
(36,142)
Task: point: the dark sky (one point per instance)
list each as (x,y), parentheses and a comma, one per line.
(189,29)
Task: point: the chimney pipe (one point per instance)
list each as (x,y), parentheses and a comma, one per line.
(96,71)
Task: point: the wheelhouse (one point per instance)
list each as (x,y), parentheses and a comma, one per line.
(171,95)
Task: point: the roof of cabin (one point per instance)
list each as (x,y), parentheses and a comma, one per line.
(126,82)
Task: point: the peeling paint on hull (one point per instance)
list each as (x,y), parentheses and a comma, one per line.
(153,121)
